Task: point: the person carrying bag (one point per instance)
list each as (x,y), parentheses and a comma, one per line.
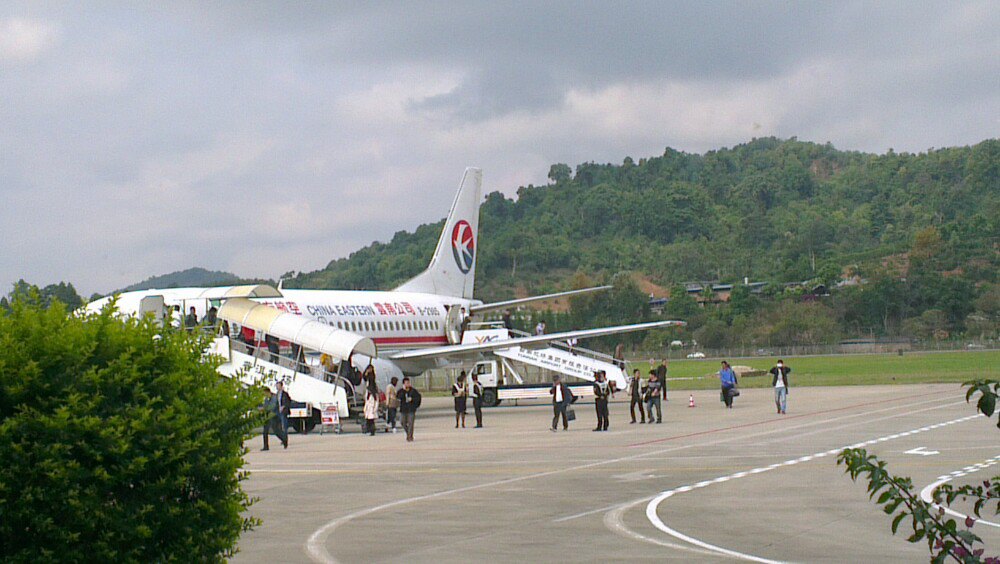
(729,384)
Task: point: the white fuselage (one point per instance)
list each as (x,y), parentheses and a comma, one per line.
(393,320)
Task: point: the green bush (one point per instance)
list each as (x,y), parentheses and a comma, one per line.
(116,443)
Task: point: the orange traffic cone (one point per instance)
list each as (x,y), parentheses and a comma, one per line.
(691,401)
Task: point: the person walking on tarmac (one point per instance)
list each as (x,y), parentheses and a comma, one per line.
(391,405)
(728,380)
(460,390)
(780,382)
(477,400)
(409,401)
(561,398)
(284,408)
(653,390)
(635,393)
(602,393)
(371,406)
(273,421)
(661,377)
(279,405)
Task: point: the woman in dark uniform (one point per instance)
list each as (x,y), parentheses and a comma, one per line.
(461,392)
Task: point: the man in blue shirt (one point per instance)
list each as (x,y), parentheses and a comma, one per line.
(728,379)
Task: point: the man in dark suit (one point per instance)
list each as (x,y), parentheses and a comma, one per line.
(284,407)
(661,377)
(477,400)
(602,392)
(409,401)
(277,416)
(273,347)
(561,398)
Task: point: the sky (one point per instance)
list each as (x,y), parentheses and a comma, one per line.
(259,138)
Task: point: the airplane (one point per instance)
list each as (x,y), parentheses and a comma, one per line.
(413,328)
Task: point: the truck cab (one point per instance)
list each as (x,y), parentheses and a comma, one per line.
(491,376)
(500,382)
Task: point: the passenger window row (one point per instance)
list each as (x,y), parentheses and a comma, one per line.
(388,326)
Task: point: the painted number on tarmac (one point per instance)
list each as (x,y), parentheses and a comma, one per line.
(634,476)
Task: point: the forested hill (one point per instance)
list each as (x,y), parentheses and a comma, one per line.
(191,277)
(771,209)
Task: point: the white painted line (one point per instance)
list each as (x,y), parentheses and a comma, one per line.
(316,543)
(927,494)
(613,521)
(655,520)
(653,506)
(585,513)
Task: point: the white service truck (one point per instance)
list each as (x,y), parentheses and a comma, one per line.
(502,382)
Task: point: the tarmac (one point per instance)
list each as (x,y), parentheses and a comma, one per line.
(708,484)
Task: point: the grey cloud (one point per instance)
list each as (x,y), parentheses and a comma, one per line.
(537,51)
(265,137)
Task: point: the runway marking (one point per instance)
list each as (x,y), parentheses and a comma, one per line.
(591,512)
(315,544)
(759,470)
(786,418)
(653,505)
(613,521)
(927,494)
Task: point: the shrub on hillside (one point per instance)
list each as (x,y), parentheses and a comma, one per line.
(116,443)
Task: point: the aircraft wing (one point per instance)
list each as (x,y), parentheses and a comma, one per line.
(482,308)
(535,341)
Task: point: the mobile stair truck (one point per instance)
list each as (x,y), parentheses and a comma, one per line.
(318,394)
(501,381)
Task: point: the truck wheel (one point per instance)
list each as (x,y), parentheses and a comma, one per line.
(490,398)
(312,421)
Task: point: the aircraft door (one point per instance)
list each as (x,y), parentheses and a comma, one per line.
(153,305)
(453,324)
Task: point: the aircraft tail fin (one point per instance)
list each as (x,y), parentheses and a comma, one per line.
(452,271)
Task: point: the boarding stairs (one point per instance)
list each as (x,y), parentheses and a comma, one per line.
(321,395)
(306,382)
(555,356)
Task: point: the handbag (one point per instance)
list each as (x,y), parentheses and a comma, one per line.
(570,414)
(733,392)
